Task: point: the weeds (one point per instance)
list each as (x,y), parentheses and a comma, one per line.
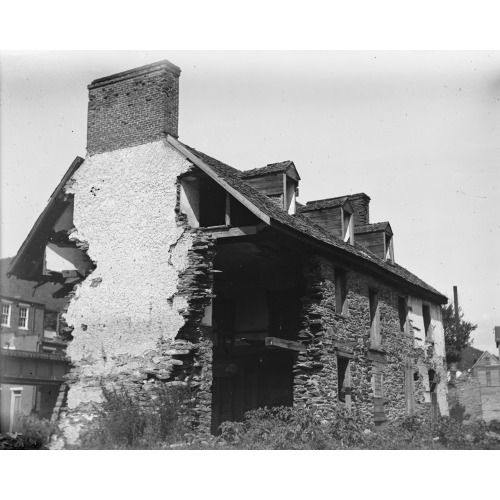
(125,423)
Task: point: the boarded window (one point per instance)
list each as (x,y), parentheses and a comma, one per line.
(340,292)
(403,313)
(378,388)
(374,319)
(426,313)
(409,388)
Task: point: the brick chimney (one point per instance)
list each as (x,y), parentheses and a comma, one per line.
(134,107)
(360,202)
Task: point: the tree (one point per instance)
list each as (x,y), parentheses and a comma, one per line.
(456,334)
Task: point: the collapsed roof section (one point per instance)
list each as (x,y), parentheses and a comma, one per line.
(50,233)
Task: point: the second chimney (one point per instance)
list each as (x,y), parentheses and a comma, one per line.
(134,107)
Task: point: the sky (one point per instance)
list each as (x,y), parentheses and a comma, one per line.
(416,131)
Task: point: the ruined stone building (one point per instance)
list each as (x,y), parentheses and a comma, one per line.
(180,269)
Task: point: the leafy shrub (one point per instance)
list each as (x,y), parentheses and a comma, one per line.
(304,429)
(124,422)
(284,428)
(457,412)
(36,435)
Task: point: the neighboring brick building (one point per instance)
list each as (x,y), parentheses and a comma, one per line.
(31,323)
(184,270)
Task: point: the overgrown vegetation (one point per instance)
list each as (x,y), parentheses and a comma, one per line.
(285,428)
(36,435)
(456,334)
(124,423)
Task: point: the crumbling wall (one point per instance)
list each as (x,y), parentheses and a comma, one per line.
(327,334)
(429,353)
(135,317)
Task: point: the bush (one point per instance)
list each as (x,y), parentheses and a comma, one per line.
(124,422)
(284,428)
(36,435)
(307,429)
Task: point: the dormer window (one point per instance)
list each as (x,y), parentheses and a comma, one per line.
(389,249)
(347,225)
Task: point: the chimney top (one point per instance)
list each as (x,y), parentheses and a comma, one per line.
(133,107)
(136,72)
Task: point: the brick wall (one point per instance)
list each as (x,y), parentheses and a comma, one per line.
(133,107)
(361,204)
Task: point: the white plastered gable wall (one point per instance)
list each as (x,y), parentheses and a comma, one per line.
(415,316)
(124,209)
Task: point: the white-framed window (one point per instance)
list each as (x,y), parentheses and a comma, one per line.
(24,310)
(6,310)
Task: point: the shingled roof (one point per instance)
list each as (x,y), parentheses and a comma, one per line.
(372,228)
(326,203)
(271,168)
(301,225)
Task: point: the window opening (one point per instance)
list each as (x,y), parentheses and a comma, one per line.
(374,319)
(347,232)
(6,314)
(341,292)
(23,317)
(344,389)
(426,313)
(212,204)
(488,378)
(403,313)
(389,254)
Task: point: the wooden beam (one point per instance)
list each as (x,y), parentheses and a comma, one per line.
(284,192)
(376,356)
(231,232)
(285,344)
(228,209)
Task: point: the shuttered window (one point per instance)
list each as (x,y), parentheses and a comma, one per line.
(378,383)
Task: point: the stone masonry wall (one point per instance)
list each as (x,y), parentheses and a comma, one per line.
(136,317)
(323,331)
